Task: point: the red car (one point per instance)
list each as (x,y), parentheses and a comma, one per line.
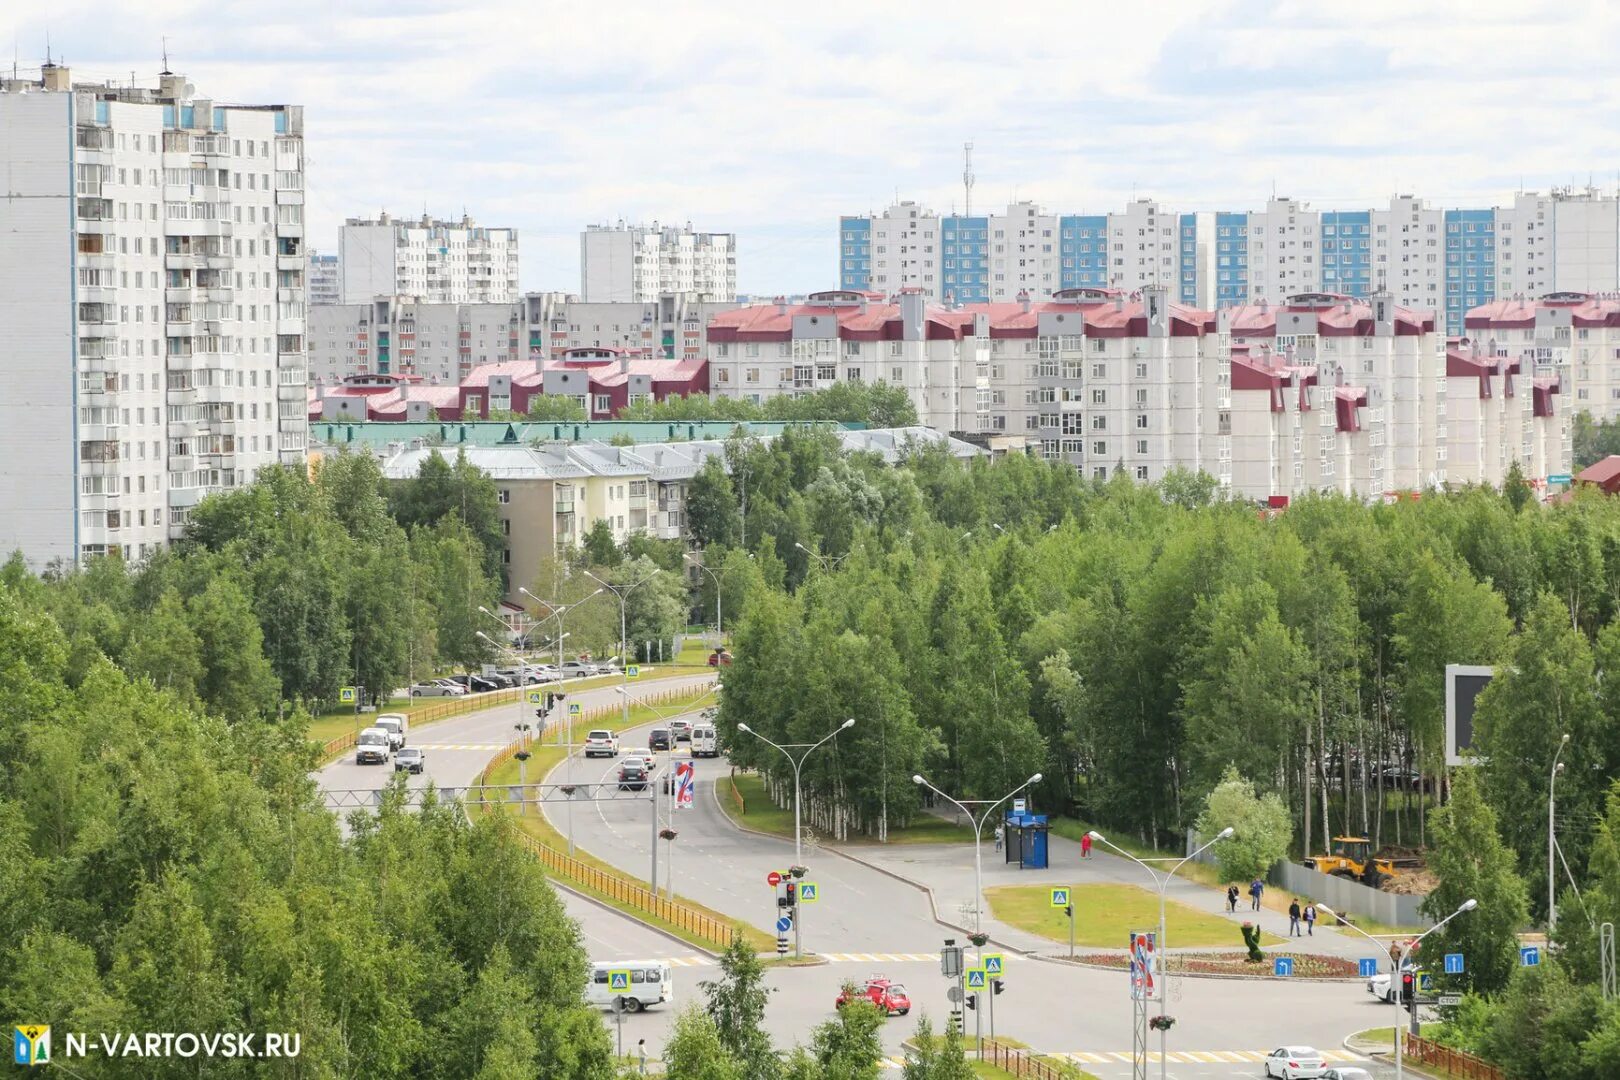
(718,657)
(889,996)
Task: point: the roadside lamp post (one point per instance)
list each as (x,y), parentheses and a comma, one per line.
(1411,947)
(1552,839)
(557,612)
(1162,881)
(621,592)
(719,627)
(797,763)
(978,828)
(522,667)
(669,775)
(827,561)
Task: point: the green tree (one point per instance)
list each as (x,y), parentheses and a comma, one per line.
(935,1058)
(711,505)
(849,1047)
(166,650)
(558,408)
(1472,863)
(237,680)
(489,1032)
(695,1050)
(456,576)
(1260,823)
(601,549)
(736,1004)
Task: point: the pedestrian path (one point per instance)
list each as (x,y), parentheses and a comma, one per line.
(1175,1057)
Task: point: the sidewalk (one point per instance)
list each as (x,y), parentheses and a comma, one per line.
(947,869)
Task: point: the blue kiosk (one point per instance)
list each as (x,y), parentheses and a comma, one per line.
(1026,840)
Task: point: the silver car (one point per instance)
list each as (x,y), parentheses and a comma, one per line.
(437,689)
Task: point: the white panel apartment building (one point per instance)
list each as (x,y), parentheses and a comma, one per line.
(443,343)
(1572,338)
(439,262)
(639,263)
(154,348)
(325,280)
(1324,392)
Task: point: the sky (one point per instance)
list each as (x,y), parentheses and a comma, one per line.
(769,124)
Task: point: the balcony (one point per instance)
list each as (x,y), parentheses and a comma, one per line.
(95,209)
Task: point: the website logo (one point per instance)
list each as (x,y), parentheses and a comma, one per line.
(31,1044)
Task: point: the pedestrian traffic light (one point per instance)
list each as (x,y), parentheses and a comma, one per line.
(972,1001)
(997,985)
(1408,986)
(1068,911)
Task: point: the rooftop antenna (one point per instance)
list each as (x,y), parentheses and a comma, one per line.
(967,178)
(166,70)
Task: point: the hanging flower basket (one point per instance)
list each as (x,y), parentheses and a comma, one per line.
(522,755)
(978,940)
(666,834)
(1161,1023)
(568,789)
(798,871)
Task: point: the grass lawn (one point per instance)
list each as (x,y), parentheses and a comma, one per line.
(763,815)
(1207,875)
(1066,1069)
(1105,915)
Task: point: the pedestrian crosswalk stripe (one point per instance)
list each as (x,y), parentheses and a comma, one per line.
(689,961)
(883,958)
(1203,1057)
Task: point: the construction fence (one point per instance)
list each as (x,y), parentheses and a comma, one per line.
(1343,895)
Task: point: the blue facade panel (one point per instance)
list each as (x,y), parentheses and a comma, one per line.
(1187,259)
(854,253)
(1346,252)
(965,258)
(1083,251)
(1231,258)
(1470,264)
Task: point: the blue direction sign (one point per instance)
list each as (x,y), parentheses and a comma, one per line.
(1529,955)
(992,964)
(1454,963)
(1282,966)
(1559,478)
(1367,966)
(784,924)
(975,978)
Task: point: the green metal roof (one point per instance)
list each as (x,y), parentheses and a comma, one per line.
(378,434)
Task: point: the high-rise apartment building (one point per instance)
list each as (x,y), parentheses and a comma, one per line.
(438,262)
(325,282)
(1425,257)
(153,350)
(636,264)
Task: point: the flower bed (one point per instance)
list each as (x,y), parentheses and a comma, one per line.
(1306,965)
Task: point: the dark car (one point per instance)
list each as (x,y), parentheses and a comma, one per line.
(632,775)
(475,684)
(659,739)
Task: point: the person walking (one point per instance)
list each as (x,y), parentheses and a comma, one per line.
(1310,919)
(1256,888)
(1085,845)
(1293,919)
(1231,899)
(999,835)
(641,1051)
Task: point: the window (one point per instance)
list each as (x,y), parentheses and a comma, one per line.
(503,495)
(1141,421)
(1141,446)
(1141,472)
(1099,422)
(750,376)
(1099,371)
(1141,371)
(1099,397)
(604,403)
(722,375)
(1099,448)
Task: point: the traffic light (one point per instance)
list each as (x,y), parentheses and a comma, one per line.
(792,894)
(972,1001)
(1408,986)
(1068,911)
(997,986)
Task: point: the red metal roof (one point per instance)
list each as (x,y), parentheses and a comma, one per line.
(1336,316)
(1519,313)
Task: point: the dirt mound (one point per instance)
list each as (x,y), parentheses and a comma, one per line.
(1414,881)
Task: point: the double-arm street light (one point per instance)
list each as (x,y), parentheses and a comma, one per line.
(1411,947)
(622,592)
(797,762)
(557,611)
(827,561)
(522,666)
(978,828)
(717,575)
(1162,881)
(1552,837)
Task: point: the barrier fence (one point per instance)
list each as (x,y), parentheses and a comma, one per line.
(1020,1063)
(611,883)
(1459,1063)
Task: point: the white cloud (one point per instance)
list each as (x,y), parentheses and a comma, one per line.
(548,116)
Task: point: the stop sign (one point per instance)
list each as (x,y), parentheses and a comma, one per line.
(773,879)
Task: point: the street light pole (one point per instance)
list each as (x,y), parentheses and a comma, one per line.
(623,591)
(1552,838)
(1394,993)
(669,865)
(797,762)
(558,611)
(827,561)
(978,827)
(1161,882)
(719,587)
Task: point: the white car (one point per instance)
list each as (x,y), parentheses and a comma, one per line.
(373,745)
(578,669)
(601,743)
(1382,987)
(438,688)
(1295,1063)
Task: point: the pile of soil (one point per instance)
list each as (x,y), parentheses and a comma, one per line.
(1413,881)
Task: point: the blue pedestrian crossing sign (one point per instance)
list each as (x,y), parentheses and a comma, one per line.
(975,978)
(346,695)
(537,697)
(1367,967)
(1060,897)
(1282,966)
(992,964)
(808,893)
(619,981)
(573,708)
(632,672)
(1529,955)
(1454,963)
(784,924)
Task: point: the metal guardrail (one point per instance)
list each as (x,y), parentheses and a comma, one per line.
(1020,1063)
(1459,1063)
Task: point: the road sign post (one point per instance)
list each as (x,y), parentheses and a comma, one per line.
(1282,966)
(993,966)
(1060,898)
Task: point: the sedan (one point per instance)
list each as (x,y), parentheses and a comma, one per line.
(410,759)
(632,775)
(436,689)
(889,996)
(578,669)
(1295,1063)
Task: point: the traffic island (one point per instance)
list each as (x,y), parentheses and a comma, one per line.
(1280,966)
(1104,916)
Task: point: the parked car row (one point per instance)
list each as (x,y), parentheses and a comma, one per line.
(505,678)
